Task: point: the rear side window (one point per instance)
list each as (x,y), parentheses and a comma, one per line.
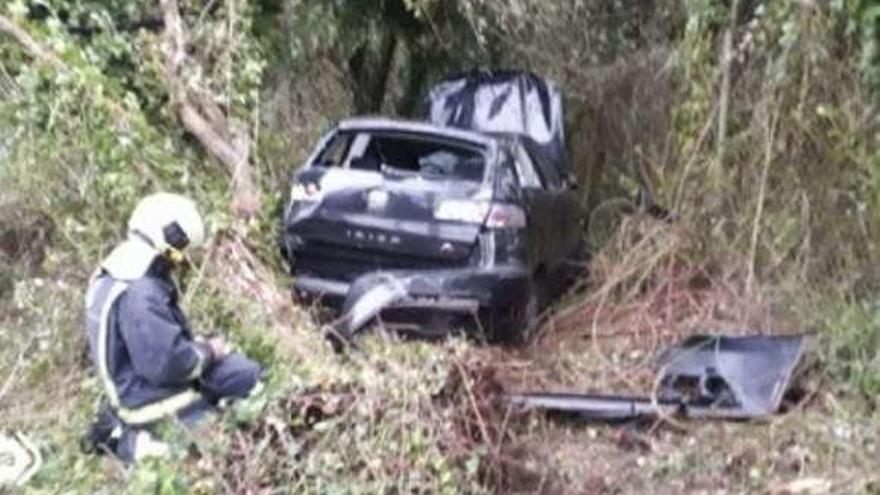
(548,170)
(405,154)
(525,169)
(336,150)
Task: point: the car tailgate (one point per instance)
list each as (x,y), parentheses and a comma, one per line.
(384,221)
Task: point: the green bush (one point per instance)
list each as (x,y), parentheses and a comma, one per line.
(851,346)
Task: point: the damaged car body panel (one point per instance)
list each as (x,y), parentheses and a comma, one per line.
(710,377)
(426,226)
(503,102)
(732,377)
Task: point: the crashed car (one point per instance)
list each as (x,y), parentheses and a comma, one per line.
(455,222)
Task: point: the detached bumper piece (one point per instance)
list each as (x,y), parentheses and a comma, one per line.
(428,303)
(705,377)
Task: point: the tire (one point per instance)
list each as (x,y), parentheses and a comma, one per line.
(531,312)
(512,324)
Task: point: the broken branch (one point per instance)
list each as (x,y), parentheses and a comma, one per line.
(222,137)
(34,48)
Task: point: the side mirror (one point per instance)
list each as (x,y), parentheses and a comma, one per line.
(572,182)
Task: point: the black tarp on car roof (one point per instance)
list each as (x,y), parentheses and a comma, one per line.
(502,102)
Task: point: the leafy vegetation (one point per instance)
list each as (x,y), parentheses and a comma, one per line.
(754,121)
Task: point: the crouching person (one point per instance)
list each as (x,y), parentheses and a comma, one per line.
(148,360)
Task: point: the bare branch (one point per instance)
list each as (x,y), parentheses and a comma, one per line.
(175,47)
(31,45)
(225,139)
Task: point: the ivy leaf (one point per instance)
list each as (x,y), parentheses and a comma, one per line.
(18,8)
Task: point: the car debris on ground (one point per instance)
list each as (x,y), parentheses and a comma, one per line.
(705,377)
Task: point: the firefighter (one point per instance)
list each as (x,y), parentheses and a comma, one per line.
(149,362)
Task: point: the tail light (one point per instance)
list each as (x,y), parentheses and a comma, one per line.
(504,216)
(305,192)
(493,215)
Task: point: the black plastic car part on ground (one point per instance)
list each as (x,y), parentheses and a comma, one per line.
(438,225)
(720,377)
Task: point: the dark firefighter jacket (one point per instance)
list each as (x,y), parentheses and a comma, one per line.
(142,347)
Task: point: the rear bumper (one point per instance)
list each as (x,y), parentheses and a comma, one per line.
(493,297)
(488,287)
(321,288)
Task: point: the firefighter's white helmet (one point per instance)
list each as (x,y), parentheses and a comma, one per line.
(161,224)
(164,218)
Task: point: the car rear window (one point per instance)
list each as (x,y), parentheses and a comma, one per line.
(404,154)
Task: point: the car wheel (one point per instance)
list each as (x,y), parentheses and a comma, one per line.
(511,324)
(515,324)
(530,313)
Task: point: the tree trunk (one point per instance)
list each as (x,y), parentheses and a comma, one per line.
(371,67)
(419,65)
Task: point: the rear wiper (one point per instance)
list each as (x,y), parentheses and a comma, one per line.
(400,172)
(434,176)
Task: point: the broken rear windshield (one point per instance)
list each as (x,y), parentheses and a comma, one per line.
(404,154)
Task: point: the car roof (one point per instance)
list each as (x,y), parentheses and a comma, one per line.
(414,126)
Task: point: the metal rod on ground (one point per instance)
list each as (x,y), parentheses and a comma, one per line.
(594,407)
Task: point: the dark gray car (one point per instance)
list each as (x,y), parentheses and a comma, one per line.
(430,227)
